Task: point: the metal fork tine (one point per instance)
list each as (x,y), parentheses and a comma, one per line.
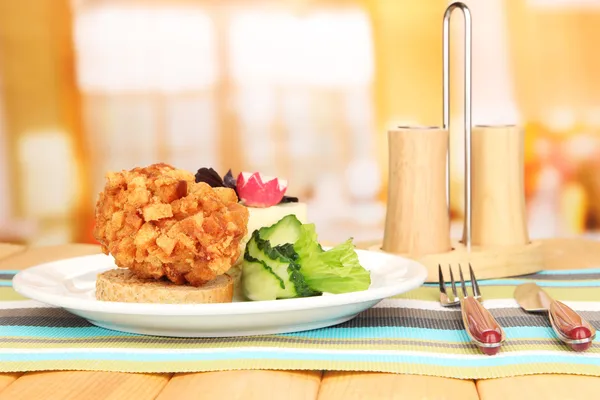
(441,279)
(462,281)
(454,291)
(476,291)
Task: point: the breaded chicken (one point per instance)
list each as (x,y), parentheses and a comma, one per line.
(158,222)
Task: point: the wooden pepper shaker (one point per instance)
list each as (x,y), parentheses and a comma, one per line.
(417,220)
(498,191)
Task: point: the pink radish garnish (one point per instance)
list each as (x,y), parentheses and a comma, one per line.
(256,190)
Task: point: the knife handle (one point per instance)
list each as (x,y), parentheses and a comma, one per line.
(571,327)
(481,326)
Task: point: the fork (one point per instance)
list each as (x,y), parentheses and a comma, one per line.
(480,324)
(445,300)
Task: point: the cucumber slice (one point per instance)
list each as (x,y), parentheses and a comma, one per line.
(285,231)
(285,260)
(259,282)
(277,266)
(282,272)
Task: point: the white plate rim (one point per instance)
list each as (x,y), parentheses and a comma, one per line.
(416,272)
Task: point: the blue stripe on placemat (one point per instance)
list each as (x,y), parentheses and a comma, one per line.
(63,333)
(570,271)
(455,336)
(6,283)
(515,282)
(308,355)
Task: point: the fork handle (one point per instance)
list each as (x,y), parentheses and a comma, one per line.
(570,326)
(481,326)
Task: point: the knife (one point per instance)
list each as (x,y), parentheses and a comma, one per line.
(570,327)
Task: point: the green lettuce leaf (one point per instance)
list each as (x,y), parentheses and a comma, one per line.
(337,270)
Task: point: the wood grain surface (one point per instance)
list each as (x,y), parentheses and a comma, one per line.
(71,385)
(370,385)
(7,250)
(292,385)
(7,379)
(38,255)
(243,385)
(571,387)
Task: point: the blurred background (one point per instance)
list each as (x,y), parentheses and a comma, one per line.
(301,89)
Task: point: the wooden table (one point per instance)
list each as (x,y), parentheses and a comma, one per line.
(282,385)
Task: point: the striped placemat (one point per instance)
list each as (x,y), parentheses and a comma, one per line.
(409,334)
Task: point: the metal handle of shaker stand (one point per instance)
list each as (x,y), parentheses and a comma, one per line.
(467,112)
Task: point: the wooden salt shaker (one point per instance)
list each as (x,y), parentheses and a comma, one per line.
(498,190)
(417,214)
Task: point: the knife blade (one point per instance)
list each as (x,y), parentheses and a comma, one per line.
(570,327)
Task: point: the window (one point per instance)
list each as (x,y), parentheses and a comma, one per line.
(302,90)
(147,76)
(289,93)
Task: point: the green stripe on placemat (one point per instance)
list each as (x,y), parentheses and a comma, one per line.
(330,365)
(410,334)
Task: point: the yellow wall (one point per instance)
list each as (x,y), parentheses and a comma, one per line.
(553,58)
(408,65)
(42,106)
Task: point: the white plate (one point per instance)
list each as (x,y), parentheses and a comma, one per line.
(70,284)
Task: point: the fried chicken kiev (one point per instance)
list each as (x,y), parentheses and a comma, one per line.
(158,222)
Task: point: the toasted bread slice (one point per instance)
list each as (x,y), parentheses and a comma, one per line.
(122,285)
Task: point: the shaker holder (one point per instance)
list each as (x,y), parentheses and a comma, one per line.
(508,251)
